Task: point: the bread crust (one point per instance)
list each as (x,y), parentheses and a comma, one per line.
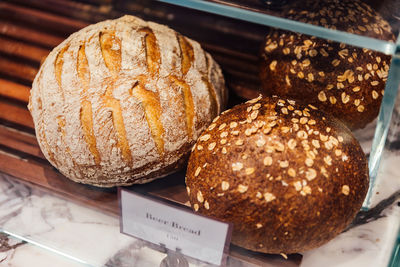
(287,176)
(345,81)
(122,101)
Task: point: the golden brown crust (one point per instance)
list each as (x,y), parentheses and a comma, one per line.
(346,81)
(122,101)
(287,177)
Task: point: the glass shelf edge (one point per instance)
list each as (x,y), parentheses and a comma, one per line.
(395,259)
(33,242)
(384,119)
(286,24)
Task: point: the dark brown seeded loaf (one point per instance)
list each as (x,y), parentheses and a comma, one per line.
(289,178)
(344,80)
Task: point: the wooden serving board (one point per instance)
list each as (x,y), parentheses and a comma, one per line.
(29,29)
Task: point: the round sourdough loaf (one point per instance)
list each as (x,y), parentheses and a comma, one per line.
(123,101)
(288,177)
(346,81)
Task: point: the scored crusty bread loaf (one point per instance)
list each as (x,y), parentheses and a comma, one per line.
(122,101)
(287,176)
(345,81)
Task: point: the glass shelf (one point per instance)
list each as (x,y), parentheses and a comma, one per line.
(255,14)
(389,101)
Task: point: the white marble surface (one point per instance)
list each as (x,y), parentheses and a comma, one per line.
(94,238)
(79,234)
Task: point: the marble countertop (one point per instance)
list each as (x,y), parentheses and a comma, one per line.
(58,232)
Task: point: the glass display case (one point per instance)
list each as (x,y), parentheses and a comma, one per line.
(81,222)
(270,14)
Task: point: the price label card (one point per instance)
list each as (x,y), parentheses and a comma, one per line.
(175,227)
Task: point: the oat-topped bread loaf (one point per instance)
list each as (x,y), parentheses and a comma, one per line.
(344,80)
(288,177)
(123,101)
